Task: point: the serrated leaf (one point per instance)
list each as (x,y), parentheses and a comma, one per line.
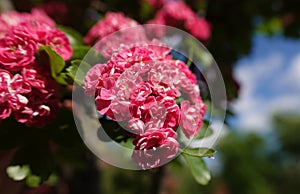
(198,169)
(18,172)
(56,62)
(78,70)
(199,152)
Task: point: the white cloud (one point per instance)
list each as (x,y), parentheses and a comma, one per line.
(268,85)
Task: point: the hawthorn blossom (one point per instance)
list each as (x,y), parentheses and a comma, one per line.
(59,42)
(192,117)
(109,33)
(36,31)
(111,23)
(16,52)
(28,97)
(5,109)
(138,87)
(14,18)
(185,18)
(155,147)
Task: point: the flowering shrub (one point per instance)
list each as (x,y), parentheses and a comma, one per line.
(28,92)
(140,87)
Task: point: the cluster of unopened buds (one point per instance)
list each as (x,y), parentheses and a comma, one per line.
(27,90)
(150,95)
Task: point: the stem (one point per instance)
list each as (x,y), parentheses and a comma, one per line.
(157,178)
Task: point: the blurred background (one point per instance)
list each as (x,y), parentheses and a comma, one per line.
(256,45)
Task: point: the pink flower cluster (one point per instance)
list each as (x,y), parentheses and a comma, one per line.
(138,87)
(112,22)
(27,91)
(108,34)
(23,33)
(179,14)
(29,96)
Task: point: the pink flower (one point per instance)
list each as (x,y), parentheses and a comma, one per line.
(110,41)
(191,117)
(112,22)
(4,28)
(173,113)
(40,110)
(198,27)
(59,42)
(184,69)
(38,15)
(12,91)
(185,18)
(92,78)
(42,106)
(5,109)
(16,52)
(14,18)
(36,31)
(137,87)
(155,148)
(29,96)
(172,13)
(135,126)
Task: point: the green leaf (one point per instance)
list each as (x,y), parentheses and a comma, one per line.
(128,143)
(52,180)
(199,152)
(76,73)
(74,37)
(56,62)
(38,157)
(18,172)
(204,132)
(33,181)
(198,169)
(79,51)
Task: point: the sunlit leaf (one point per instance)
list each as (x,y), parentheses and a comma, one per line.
(78,70)
(33,181)
(199,152)
(74,37)
(198,169)
(18,172)
(56,62)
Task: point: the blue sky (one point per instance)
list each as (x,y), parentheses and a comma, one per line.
(270,82)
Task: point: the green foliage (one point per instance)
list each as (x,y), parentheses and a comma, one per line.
(77,74)
(74,37)
(18,172)
(198,169)
(56,62)
(199,152)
